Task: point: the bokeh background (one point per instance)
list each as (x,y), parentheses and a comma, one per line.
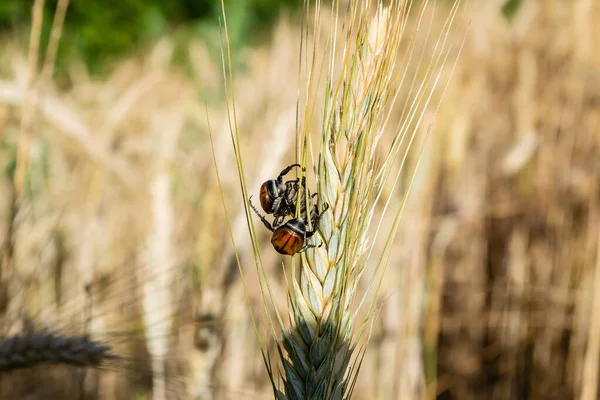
(493,289)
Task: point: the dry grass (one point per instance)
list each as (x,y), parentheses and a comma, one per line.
(490,289)
(517,206)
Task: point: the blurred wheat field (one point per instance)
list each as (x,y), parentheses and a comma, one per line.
(494,278)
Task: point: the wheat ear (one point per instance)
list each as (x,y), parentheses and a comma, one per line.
(32,349)
(320,347)
(321,353)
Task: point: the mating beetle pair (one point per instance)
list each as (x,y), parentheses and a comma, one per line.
(279,198)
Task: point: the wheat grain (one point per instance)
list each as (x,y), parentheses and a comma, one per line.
(32,349)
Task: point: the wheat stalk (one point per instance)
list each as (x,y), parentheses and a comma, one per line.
(31,97)
(32,349)
(158,303)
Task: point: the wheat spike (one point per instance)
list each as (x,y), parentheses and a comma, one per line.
(320,345)
(32,349)
(321,353)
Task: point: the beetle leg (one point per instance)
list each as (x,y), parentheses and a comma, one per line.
(317,218)
(292,195)
(263,219)
(315,221)
(288,200)
(278,220)
(309,246)
(291,190)
(276,205)
(285,171)
(315,207)
(314,213)
(292,184)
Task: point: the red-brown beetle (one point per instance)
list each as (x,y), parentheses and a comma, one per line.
(290,238)
(278,197)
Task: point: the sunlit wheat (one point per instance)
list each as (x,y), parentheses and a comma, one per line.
(321,352)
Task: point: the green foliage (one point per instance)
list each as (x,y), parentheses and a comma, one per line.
(38,168)
(510,8)
(99,31)
(8,153)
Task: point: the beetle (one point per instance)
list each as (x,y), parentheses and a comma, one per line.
(278,197)
(289,238)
